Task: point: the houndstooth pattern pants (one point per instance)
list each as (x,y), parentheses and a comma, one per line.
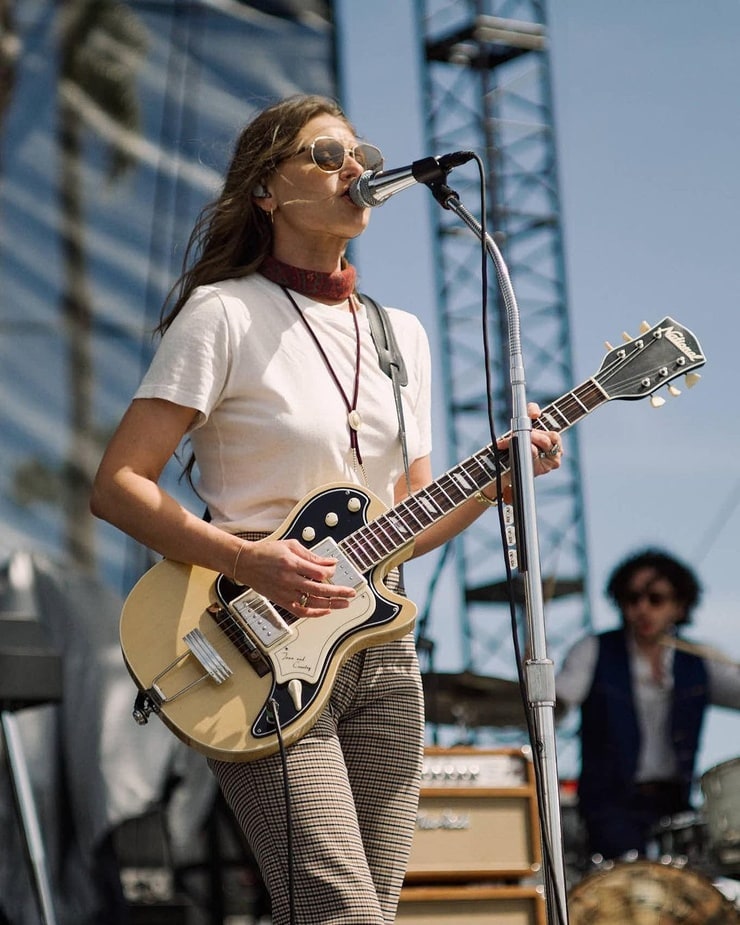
(354,787)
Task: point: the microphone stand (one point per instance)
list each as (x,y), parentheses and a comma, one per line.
(539,675)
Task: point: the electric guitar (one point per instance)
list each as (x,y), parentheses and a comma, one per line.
(233,675)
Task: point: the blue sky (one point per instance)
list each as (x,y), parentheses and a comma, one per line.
(648,137)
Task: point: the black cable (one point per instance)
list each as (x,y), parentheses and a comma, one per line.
(424,643)
(288,822)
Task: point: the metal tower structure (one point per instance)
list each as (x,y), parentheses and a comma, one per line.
(487,89)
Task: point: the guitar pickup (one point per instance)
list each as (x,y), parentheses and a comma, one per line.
(261,618)
(345,573)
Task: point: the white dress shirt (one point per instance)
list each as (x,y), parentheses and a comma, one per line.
(652,699)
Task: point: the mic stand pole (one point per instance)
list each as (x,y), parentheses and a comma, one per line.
(539,675)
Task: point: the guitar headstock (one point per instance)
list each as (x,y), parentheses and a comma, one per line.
(650,361)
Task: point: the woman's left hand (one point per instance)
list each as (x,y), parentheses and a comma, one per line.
(547,445)
(547,448)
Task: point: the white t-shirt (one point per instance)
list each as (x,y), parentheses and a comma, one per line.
(272,424)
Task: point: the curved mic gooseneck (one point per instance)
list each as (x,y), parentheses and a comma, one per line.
(539,669)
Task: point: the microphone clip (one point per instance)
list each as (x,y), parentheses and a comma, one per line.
(374,188)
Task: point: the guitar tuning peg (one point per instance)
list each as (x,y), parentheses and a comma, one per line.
(608,345)
(644,327)
(626,338)
(691,379)
(656,401)
(672,390)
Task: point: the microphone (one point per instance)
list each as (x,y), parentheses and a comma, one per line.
(372,188)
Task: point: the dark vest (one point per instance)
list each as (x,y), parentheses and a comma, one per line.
(610,735)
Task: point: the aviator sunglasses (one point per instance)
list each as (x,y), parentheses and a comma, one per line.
(329,154)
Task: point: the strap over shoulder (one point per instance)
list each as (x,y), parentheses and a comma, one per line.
(391,362)
(389,354)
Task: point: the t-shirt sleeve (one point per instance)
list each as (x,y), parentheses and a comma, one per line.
(574,678)
(192,361)
(425,393)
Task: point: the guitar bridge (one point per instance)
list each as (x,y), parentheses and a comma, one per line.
(260,617)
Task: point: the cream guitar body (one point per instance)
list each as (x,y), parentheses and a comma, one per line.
(217,659)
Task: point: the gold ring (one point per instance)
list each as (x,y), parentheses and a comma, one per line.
(304,599)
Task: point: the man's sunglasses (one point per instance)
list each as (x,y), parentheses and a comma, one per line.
(329,154)
(654,598)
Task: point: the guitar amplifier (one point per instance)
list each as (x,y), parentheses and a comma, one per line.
(477,817)
(489,905)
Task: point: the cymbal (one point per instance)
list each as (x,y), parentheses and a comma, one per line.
(468,699)
(498,592)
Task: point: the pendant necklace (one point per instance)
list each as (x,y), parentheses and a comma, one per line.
(354,420)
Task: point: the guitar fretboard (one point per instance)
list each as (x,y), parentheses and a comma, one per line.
(381,538)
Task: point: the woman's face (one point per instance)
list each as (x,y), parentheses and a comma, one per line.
(312,213)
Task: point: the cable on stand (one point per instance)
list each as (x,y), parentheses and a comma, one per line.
(539,674)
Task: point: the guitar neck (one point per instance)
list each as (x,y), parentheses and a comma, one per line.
(381,538)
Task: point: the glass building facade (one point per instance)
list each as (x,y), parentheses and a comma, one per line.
(116,122)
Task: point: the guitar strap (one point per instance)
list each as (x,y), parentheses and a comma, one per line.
(391,362)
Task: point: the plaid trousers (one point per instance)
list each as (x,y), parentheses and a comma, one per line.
(354,783)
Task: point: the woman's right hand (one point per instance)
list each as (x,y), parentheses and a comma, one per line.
(290,575)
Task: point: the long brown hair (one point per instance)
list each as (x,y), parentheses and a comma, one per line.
(232,235)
